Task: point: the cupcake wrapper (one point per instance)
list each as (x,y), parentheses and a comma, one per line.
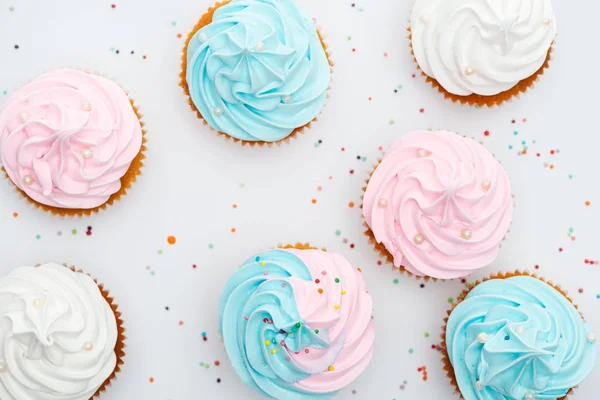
(447,365)
(479,100)
(135,169)
(205,20)
(299,246)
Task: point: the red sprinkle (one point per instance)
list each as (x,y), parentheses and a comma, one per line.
(217,363)
(486,133)
(113,5)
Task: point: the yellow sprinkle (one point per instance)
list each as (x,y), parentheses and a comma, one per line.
(267,342)
(331,368)
(343,292)
(263,263)
(273,351)
(337,306)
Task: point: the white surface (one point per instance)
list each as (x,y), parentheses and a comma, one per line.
(193,177)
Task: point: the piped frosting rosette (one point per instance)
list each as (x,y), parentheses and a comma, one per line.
(257,70)
(439,204)
(68,138)
(60,338)
(517,338)
(297,324)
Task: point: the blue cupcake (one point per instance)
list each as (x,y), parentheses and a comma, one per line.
(256,70)
(516,337)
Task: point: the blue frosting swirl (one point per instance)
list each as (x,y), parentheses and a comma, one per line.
(255,308)
(259,70)
(514,338)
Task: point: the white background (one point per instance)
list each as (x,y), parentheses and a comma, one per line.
(193,177)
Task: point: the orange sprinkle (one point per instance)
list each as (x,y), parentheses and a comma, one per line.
(15,214)
(524,152)
(179,35)
(351,204)
(232,230)
(235,206)
(171,240)
(587,203)
(314,201)
(151,379)
(330,368)
(320,291)
(551,166)
(359,270)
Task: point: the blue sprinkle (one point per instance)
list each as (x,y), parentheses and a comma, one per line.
(515,133)
(257,258)
(203,334)
(510,147)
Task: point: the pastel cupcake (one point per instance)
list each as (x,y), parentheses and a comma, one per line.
(516,337)
(256,71)
(297,323)
(482,52)
(61,335)
(438,205)
(71,142)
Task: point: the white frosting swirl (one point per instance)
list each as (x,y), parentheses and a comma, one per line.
(481,46)
(57,335)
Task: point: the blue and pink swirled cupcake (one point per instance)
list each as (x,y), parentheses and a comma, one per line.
(516,337)
(297,323)
(256,71)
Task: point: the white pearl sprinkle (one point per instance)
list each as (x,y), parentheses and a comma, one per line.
(591,337)
(520,330)
(530,396)
(418,239)
(466,234)
(87,154)
(423,153)
(425,18)
(546,21)
(218,111)
(486,184)
(482,337)
(88,346)
(3,366)
(469,71)
(479,386)
(382,203)
(39,303)
(28,179)
(24,116)
(202,37)
(86,106)
(260,46)
(287,99)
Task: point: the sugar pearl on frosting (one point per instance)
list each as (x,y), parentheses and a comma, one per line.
(202,37)
(3,366)
(546,21)
(425,18)
(88,346)
(482,337)
(382,203)
(28,179)
(466,234)
(260,46)
(479,386)
(469,71)
(423,153)
(86,106)
(286,99)
(530,396)
(486,184)
(87,154)
(24,116)
(217,111)
(591,337)
(418,239)
(520,330)
(39,303)
(330,369)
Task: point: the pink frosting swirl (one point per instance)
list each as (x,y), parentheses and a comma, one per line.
(68,137)
(343,310)
(440,203)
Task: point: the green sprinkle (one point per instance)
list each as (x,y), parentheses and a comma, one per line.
(174,23)
(450,300)
(160,252)
(392,122)
(74,231)
(210,245)
(571,229)
(4,92)
(570,176)
(410,351)
(298,324)
(38,237)
(426,334)
(361,9)
(349,37)
(202,364)
(396,281)
(399,86)
(152,273)
(364,158)
(338,232)
(317,331)
(207,366)
(337,280)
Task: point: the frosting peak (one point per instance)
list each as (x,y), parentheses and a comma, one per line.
(57,335)
(481,46)
(258,71)
(297,324)
(517,337)
(440,203)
